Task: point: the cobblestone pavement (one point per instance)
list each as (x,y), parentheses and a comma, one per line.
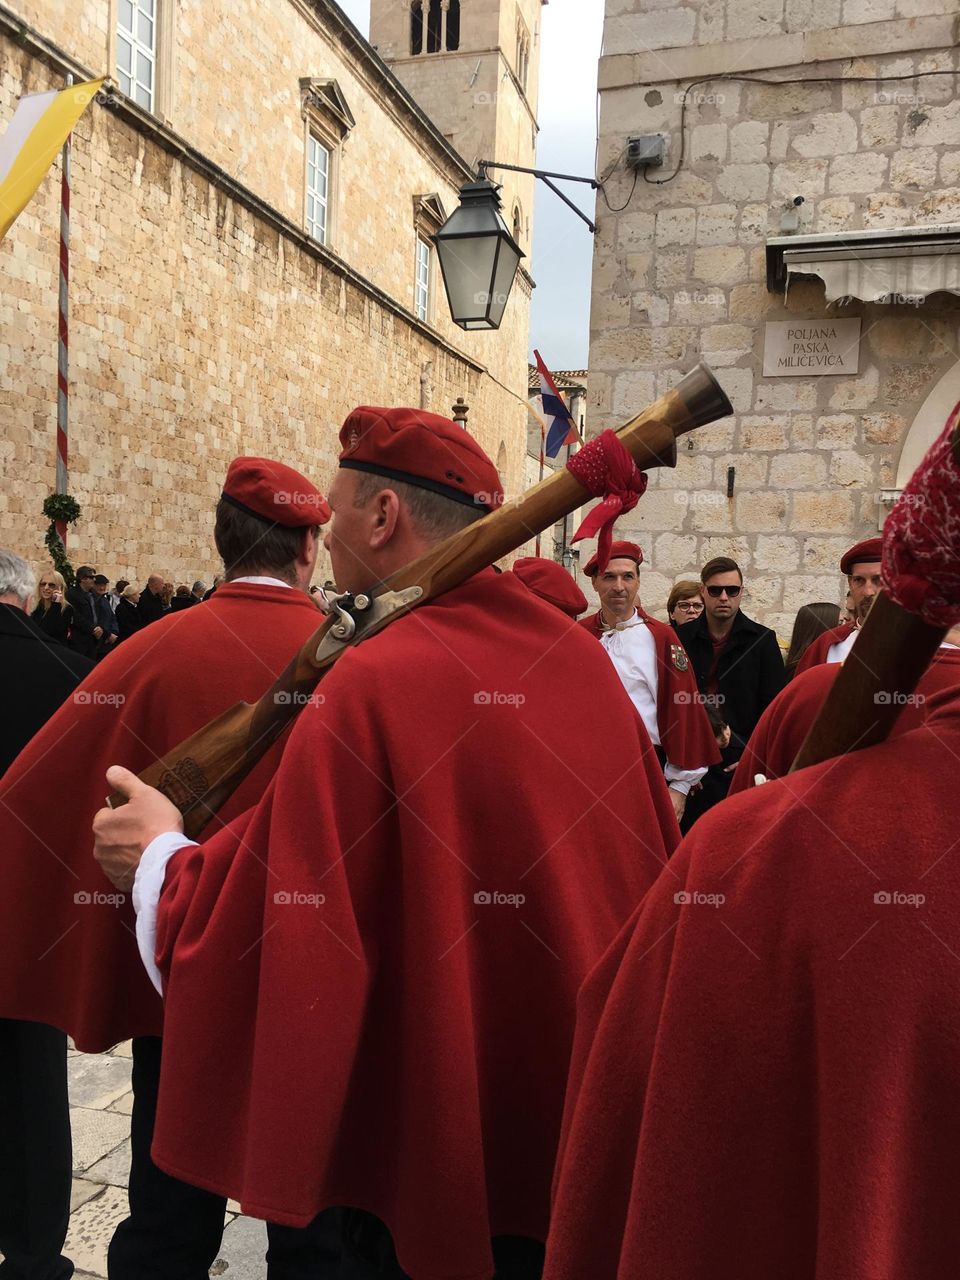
(100,1103)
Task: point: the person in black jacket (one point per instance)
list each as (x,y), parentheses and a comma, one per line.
(35,1145)
(126,613)
(151,606)
(85,628)
(105,615)
(737,661)
(52,614)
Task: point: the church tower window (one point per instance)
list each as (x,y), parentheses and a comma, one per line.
(434,26)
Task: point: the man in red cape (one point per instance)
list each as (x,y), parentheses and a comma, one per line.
(861,564)
(766,1072)
(654,670)
(390,944)
(69,949)
(783,727)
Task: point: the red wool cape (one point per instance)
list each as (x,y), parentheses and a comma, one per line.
(782,729)
(770,1086)
(69,955)
(817,652)
(360,1009)
(685,732)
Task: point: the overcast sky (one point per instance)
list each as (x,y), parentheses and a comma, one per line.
(562,244)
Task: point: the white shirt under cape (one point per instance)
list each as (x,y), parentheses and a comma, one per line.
(633,651)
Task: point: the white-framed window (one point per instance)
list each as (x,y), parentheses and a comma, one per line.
(421,298)
(318,189)
(137,50)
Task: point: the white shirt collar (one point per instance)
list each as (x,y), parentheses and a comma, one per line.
(260,582)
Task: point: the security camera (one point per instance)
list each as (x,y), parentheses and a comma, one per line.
(797,201)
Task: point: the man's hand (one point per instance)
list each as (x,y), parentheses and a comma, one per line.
(121,835)
(98,632)
(679,802)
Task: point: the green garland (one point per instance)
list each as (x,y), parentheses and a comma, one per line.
(60,507)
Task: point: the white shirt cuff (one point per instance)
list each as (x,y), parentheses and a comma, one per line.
(147,887)
(682,779)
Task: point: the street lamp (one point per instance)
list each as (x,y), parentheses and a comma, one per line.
(478,258)
(478,255)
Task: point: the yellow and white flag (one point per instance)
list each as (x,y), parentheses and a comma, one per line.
(40,126)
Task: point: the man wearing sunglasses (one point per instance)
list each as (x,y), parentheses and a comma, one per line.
(736,660)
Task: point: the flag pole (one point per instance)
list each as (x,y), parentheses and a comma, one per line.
(543,446)
(63,331)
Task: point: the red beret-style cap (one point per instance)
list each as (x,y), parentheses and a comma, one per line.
(421,449)
(618,551)
(551,582)
(273,491)
(870,551)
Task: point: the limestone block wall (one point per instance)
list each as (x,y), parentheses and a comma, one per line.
(680,272)
(201,328)
(230,87)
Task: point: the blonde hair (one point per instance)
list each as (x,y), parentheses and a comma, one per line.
(57,577)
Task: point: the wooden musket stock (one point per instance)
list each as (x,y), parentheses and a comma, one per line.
(202,773)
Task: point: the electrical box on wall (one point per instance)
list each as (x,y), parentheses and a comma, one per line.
(646,151)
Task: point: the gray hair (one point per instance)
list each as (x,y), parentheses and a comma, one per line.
(433,516)
(16,577)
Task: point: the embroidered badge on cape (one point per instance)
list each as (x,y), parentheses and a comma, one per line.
(679,657)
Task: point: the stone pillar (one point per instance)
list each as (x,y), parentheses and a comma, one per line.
(460,411)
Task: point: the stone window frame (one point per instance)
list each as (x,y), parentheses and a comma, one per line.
(447,33)
(429,216)
(523,51)
(164,62)
(327,119)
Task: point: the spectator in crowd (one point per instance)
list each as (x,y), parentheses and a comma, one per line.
(151,600)
(198,590)
(105,614)
(812,620)
(35,1147)
(737,661)
(216,582)
(167,595)
(183,599)
(115,595)
(716,781)
(52,614)
(849,611)
(128,615)
(684,604)
(85,629)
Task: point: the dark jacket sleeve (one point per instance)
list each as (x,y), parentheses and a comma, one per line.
(81,619)
(772,673)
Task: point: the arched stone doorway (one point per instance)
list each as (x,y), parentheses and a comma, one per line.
(928,423)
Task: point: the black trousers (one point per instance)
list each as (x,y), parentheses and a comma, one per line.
(35,1151)
(174,1230)
(368,1253)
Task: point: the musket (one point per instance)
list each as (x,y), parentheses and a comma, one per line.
(201,774)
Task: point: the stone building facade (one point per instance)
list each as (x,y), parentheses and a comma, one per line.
(854,125)
(250,259)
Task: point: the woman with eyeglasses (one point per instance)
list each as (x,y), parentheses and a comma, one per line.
(684,602)
(53,611)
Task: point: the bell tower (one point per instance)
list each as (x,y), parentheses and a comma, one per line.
(473,67)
